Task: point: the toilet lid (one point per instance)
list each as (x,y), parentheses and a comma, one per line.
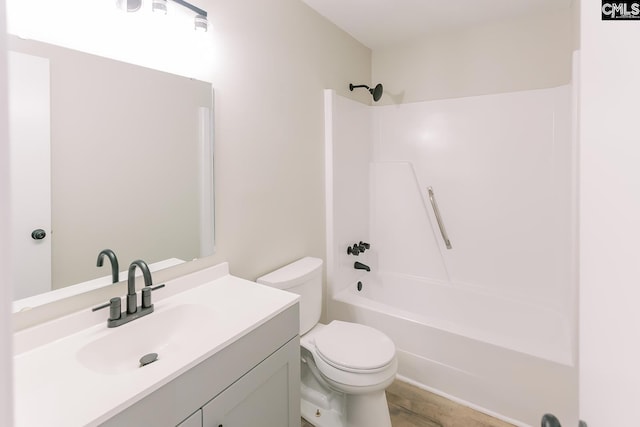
(350,346)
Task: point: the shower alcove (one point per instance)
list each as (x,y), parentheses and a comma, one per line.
(490,321)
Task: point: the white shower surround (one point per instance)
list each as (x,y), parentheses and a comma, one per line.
(490,322)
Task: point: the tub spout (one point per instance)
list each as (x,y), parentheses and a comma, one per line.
(360,266)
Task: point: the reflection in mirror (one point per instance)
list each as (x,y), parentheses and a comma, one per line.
(126,155)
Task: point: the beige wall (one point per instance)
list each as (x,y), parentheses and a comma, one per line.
(528,53)
(274,60)
(575,23)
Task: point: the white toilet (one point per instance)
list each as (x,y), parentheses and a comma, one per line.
(345,366)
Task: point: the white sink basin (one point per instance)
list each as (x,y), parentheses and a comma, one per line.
(167,332)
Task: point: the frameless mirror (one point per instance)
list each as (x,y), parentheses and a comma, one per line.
(105,154)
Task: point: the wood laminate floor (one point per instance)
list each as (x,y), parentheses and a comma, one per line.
(411,406)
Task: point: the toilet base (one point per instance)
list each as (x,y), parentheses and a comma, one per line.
(344,410)
(330,402)
(370,410)
(320,417)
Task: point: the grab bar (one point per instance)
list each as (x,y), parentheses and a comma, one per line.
(436,211)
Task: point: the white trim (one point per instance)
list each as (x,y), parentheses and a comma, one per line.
(6,343)
(205,141)
(328,192)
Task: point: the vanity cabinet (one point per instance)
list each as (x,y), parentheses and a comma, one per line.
(252,381)
(259,398)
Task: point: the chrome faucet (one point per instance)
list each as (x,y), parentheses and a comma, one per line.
(115,270)
(133,311)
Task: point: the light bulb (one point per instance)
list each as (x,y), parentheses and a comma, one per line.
(129,5)
(201,23)
(159,6)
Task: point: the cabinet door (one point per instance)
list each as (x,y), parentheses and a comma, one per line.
(195,420)
(266,396)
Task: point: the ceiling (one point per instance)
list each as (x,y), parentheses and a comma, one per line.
(381,23)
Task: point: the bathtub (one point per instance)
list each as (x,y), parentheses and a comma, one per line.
(506,358)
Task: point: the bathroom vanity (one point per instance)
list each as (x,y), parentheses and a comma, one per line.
(228,355)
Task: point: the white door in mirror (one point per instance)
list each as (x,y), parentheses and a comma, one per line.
(29,139)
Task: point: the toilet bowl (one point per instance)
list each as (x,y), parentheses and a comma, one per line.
(345,366)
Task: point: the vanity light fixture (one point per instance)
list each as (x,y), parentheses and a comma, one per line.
(129,5)
(201,23)
(159,6)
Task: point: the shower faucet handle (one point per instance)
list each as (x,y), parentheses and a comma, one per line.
(355,250)
(358,248)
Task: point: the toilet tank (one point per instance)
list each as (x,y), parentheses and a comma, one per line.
(302,277)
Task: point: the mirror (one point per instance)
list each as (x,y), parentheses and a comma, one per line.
(131,167)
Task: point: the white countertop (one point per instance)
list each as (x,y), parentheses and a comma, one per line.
(52,387)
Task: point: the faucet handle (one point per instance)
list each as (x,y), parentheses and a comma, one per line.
(146,295)
(114,308)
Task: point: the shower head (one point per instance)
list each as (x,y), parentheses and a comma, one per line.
(375,92)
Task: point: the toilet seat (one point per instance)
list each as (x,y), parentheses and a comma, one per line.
(342,378)
(354,348)
(356,382)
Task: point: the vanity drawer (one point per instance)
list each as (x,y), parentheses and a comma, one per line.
(195,420)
